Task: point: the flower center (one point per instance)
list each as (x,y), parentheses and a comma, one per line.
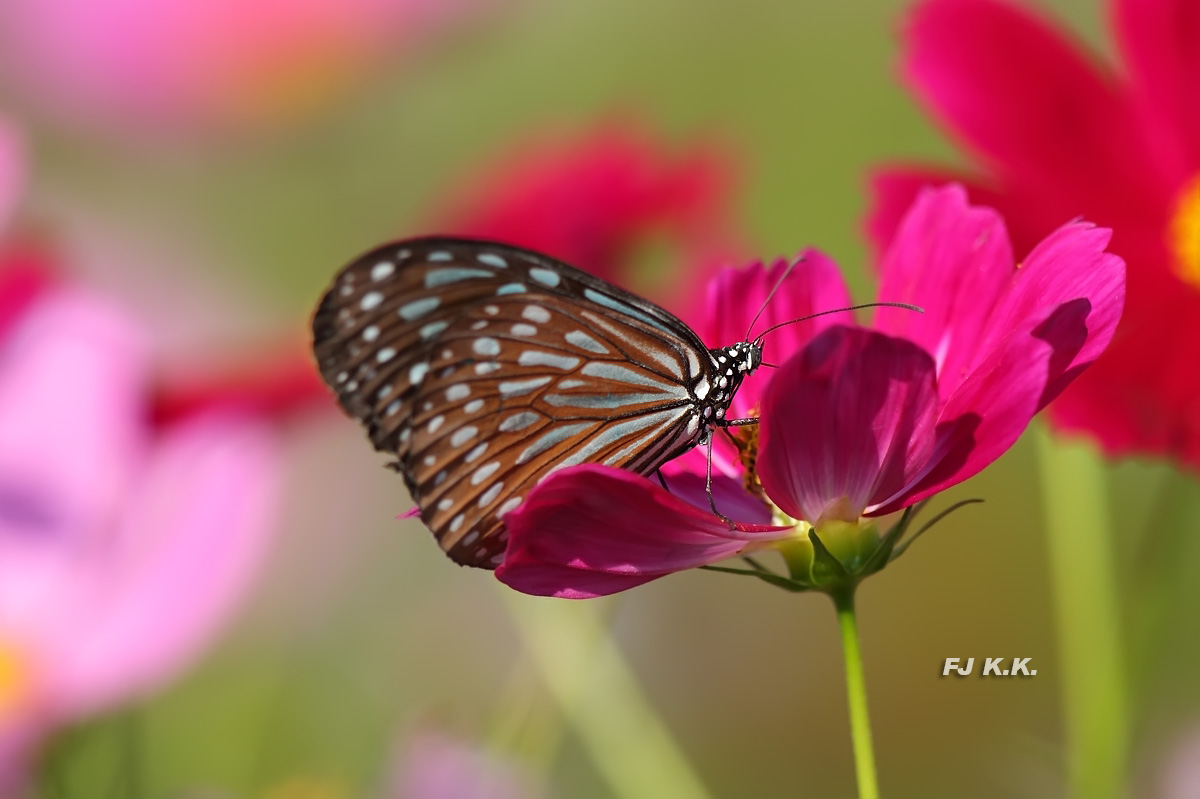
(15,679)
(1184,233)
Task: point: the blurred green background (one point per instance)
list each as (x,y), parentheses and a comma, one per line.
(362,631)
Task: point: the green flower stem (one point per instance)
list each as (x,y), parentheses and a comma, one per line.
(1083,570)
(598,695)
(856,692)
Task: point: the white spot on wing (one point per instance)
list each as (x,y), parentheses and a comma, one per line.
(508,506)
(385,354)
(486,346)
(535,358)
(476,452)
(453,274)
(473,406)
(439,255)
(555,435)
(417,308)
(435,423)
(370,333)
(417,373)
(432,329)
(577,338)
(462,435)
(510,288)
(382,270)
(491,259)
(522,329)
(547,277)
(458,391)
(490,495)
(518,421)
(486,367)
(484,472)
(515,388)
(537,314)
(371,300)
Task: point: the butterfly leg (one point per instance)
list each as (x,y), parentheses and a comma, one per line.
(708,486)
(658,473)
(749,420)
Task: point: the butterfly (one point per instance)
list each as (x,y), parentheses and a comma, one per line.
(483,367)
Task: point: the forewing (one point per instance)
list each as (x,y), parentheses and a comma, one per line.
(483,368)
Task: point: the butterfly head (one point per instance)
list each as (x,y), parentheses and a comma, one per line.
(733,364)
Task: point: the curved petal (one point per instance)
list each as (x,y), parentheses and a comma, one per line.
(1158,38)
(894,189)
(1142,395)
(188,548)
(593,530)
(729,495)
(1056,319)
(71,432)
(954,261)
(981,420)
(1069,294)
(846,423)
(1027,100)
(812,284)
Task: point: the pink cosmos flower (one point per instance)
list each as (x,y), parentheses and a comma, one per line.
(123,549)
(859,421)
(594,201)
(202,64)
(1058,134)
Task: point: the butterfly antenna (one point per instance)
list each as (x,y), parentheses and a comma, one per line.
(905,305)
(774,289)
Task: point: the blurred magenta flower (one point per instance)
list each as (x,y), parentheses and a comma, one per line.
(123,549)
(599,199)
(436,765)
(191,65)
(858,421)
(1058,134)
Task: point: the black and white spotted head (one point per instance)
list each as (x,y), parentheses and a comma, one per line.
(731,365)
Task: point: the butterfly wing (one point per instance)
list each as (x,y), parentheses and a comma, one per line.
(484,367)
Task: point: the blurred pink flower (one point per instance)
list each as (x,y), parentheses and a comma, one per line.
(187,64)
(435,765)
(123,548)
(858,421)
(1057,133)
(596,200)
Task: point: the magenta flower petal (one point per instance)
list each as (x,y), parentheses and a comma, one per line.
(736,295)
(71,409)
(729,495)
(189,543)
(1069,293)
(611,190)
(1022,96)
(593,530)
(982,419)
(954,261)
(846,423)
(893,190)
(1159,39)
